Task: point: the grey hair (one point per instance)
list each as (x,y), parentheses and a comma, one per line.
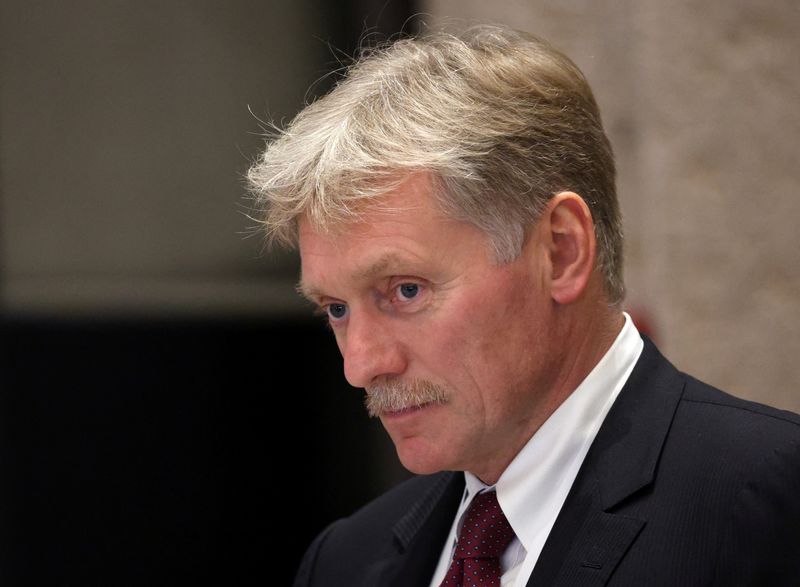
(500,119)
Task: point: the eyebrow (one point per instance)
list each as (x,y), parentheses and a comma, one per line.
(308,293)
(377,267)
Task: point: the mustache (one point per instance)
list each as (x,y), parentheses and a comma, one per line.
(392,396)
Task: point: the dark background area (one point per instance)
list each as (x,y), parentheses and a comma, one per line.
(149,446)
(156,452)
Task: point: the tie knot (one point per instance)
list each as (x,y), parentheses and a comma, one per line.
(486,531)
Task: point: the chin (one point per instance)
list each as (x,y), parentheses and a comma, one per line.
(421,462)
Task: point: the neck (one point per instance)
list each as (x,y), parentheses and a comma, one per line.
(581,335)
(589,331)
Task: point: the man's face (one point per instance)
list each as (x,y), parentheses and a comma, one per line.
(414,299)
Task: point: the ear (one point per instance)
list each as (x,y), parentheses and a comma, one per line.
(569,234)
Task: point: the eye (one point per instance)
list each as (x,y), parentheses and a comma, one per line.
(407,291)
(337,311)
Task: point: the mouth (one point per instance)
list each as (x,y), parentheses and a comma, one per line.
(406,412)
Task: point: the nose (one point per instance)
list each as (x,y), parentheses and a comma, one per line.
(371,349)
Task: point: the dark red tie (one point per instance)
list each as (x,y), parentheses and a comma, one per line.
(484,536)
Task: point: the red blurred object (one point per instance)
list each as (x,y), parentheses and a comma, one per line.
(644,321)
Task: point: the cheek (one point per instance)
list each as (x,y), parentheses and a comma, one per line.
(482,334)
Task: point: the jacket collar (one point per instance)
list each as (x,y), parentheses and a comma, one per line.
(419,535)
(588,539)
(626,451)
(445,493)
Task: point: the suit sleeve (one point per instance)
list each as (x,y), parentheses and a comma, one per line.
(307,572)
(762,543)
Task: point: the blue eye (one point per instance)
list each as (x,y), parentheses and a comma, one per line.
(408,290)
(337,311)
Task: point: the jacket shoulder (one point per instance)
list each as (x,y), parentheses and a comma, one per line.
(716,483)
(736,417)
(755,449)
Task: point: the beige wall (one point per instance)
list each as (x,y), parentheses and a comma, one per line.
(701,102)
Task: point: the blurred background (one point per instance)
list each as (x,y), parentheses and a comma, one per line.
(166,400)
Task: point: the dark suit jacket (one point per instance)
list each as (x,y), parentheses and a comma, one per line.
(684,485)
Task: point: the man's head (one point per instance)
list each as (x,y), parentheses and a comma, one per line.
(499,119)
(453,202)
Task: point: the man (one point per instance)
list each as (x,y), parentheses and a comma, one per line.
(454,205)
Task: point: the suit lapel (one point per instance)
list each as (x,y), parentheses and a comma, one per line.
(419,536)
(588,539)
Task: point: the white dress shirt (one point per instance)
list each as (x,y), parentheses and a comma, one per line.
(534,486)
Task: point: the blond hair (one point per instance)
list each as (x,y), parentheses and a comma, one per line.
(500,120)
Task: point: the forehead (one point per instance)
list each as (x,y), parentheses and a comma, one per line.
(410,210)
(405,229)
